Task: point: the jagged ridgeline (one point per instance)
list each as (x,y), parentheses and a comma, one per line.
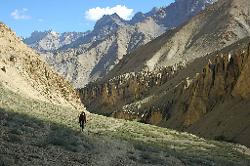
(192,78)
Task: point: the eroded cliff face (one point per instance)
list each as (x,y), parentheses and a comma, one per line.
(221,79)
(110,96)
(192,98)
(216,104)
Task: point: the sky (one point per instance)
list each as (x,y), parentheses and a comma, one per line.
(26,16)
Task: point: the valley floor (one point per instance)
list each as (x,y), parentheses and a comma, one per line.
(38,133)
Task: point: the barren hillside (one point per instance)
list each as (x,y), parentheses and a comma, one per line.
(23,71)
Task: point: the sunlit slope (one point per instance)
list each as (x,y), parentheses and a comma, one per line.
(218,26)
(23,71)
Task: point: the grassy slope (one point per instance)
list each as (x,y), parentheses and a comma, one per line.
(34,132)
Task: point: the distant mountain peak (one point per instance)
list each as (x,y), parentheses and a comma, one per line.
(51,40)
(115,16)
(138,17)
(176,12)
(108,20)
(108,24)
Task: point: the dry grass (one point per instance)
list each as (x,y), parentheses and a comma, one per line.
(52,129)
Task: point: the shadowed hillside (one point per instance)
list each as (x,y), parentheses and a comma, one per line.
(34,133)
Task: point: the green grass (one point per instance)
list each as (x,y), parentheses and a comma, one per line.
(57,126)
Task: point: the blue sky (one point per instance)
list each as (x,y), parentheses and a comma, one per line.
(25,16)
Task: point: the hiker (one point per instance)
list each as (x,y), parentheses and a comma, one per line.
(82,119)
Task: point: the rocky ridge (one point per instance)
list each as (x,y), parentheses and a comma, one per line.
(199,104)
(217,98)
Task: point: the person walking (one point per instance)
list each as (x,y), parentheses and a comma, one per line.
(82,119)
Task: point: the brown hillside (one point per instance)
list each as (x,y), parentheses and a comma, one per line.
(24,72)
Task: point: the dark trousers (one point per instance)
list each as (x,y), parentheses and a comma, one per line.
(82,125)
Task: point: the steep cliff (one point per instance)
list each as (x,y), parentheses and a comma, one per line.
(216,103)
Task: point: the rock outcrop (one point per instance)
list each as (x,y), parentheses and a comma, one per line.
(218,82)
(216,103)
(108,97)
(213,103)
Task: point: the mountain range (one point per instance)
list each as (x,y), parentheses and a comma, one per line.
(86,57)
(51,40)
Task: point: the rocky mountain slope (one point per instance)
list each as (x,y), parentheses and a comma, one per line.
(155,97)
(218,98)
(38,117)
(24,72)
(91,57)
(218,26)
